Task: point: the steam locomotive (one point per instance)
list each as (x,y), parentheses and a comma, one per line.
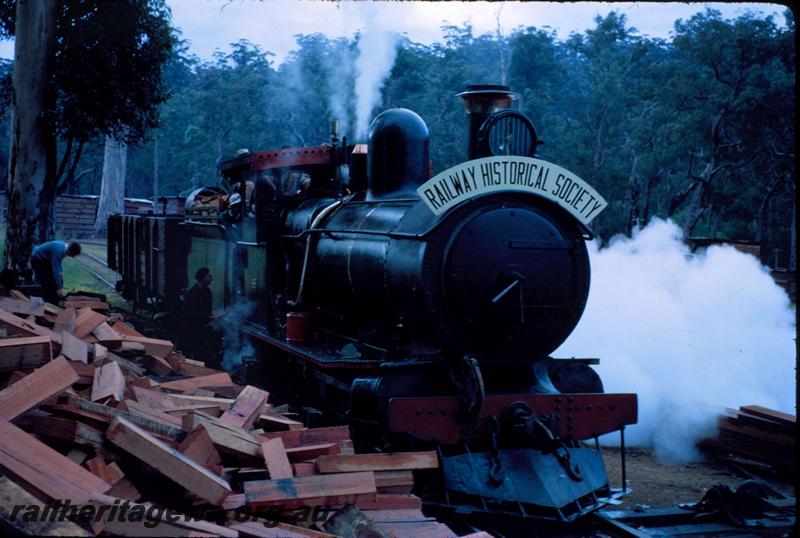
(420,310)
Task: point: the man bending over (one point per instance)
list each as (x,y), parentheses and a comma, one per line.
(46,263)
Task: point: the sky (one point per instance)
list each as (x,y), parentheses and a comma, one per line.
(211,25)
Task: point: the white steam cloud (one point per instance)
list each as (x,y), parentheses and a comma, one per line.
(689,334)
(377,51)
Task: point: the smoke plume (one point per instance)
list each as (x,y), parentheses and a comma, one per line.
(339,69)
(376,54)
(237,344)
(690,334)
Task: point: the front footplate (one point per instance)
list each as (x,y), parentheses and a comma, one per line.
(577,416)
(533,484)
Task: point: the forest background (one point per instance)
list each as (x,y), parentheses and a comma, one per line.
(698,128)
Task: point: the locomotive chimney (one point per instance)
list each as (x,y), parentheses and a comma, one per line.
(481,100)
(397,158)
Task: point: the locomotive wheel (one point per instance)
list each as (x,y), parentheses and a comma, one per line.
(575,377)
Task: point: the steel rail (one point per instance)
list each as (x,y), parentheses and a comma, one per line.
(95,258)
(94,273)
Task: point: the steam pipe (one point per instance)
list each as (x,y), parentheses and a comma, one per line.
(315,223)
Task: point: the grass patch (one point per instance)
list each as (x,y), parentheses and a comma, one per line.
(77,277)
(95,249)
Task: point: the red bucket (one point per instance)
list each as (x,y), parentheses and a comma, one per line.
(298,326)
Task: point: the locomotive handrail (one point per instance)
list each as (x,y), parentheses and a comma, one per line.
(398,235)
(587,233)
(384,202)
(319,219)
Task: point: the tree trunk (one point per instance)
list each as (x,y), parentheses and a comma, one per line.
(695,211)
(48,196)
(112,188)
(648,187)
(714,219)
(697,199)
(632,196)
(501,47)
(762,232)
(155,171)
(793,240)
(219,146)
(32,156)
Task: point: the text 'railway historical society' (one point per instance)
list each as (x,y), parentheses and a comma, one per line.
(493,174)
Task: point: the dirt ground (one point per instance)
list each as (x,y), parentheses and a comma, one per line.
(657,485)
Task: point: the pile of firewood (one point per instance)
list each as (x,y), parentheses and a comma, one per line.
(759,434)
(97,416)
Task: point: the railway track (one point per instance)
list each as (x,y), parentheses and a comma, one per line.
(93,272)
(95,258)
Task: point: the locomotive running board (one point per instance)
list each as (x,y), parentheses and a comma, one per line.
(328,357)
(579,416)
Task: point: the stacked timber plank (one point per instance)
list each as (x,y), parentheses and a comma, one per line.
(757,433)
(95,413)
